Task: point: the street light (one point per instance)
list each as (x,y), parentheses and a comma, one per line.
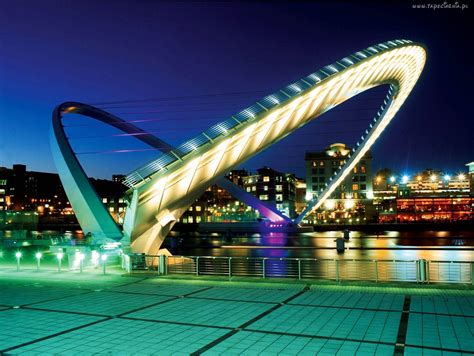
(461,176)
(405,179)
(18,257)
(447,177)
(60,256)
(80,255)
(38,256)
(104,260)
(392,179)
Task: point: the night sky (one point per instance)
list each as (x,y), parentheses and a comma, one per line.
(199,63)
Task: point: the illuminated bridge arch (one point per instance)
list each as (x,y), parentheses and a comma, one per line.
(162,190)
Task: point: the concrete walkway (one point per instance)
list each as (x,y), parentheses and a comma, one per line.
(89,313)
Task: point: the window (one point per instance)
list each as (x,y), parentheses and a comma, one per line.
(321,171)
(321,180)
(334,163)
(198,219)
(198,208)
(3,182)
(315,163)
(120,209)
(279,206)
(104,200)
(190,208)
(315,188)
(355,186)
(279,197)
(314,171)
(190,219)
(263,197)
(254,188)
(355,178)
(266,178)
(362,169)
(315,179)
(363,178)
(248,189)
(363,187)
(111,209)
(121,200)
(265,187)
(355,169)
(279,188)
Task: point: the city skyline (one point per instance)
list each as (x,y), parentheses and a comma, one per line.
(210,80)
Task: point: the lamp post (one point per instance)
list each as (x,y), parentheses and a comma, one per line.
(81,261)
(38,256)
(104,260)
(60,257)
(18,257)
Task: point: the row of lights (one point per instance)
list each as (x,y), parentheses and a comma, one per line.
(433,178)
(79,259)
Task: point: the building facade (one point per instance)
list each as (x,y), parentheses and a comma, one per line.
(351,202)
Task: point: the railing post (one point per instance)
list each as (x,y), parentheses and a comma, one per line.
(263,268)
(299,269)
(197,266)
(376,271)
(337,270)
(472,273)
(230,267)
(427,271)
(417,269)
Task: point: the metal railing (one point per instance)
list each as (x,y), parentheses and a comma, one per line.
(417,271)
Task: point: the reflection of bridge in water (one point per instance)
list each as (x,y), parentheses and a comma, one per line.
(162,190)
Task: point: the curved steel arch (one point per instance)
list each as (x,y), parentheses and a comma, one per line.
(164,188)
(90,212)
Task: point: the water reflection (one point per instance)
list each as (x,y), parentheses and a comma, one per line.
(406,245)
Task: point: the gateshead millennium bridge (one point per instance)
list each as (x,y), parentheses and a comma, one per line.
(162,190)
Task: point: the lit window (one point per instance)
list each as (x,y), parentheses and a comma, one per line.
(355,169)
(190,219)
(254,188)
(111,209)
(279,188)
(190,208)
(279,197)
(355,186)
(362,169)
(248,189)
(120,209)
(198,219)
(198,208)
(104,200)
(263,197)
(265,187)
(266,179)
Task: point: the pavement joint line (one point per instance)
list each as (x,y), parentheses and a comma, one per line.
(53,335)
(444,314)
(344,307)
(175,322)
(319,337)
(147,306)
(233,300)
(244,325)
(66,312)
(403,327)
(440,349)
(55,299)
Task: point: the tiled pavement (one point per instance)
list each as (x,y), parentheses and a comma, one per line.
(162,316)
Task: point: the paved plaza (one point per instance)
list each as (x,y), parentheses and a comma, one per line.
(71,313)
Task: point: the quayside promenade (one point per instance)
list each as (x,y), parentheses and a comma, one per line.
(90,313)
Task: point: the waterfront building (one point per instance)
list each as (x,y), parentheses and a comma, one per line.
(43,193)
(273,187)
(352,200)
(429,195)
